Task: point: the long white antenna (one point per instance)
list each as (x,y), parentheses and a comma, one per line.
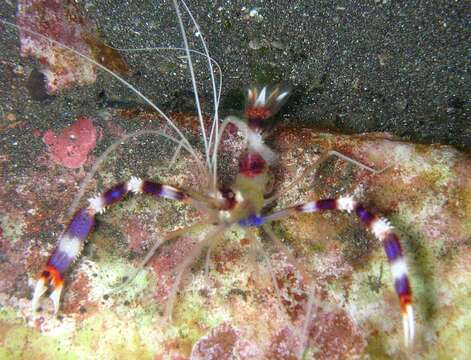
(193,82)
(216,95)
(174,48)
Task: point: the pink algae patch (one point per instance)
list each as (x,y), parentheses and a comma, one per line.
(70,148)
(225,342)
(336,335)
(284,346)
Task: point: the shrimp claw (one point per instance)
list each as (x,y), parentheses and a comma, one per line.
(71,242)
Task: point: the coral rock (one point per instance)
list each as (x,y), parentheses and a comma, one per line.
(425,191)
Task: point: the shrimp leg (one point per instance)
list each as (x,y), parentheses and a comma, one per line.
(71,241)
(381,229)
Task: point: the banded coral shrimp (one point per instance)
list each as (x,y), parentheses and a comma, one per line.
(262,103)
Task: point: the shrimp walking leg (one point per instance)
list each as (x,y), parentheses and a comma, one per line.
(71,242)
(379,227)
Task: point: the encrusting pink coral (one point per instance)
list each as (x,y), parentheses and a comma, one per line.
(71,147)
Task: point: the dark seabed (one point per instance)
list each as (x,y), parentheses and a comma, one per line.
(401,67)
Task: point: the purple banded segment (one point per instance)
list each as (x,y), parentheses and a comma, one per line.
(320,205)
(115,194)
(165,191)
(366,217)
(383,231)
(252,220)
(71,241)
(326,204)
(152,188)
(402,286)
(392,247)
(81,224)
(60,260)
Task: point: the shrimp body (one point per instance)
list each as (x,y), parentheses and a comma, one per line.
(240,204)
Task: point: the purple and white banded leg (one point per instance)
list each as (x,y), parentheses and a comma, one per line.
(381,229)
(73,238)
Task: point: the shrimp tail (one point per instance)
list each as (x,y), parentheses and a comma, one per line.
(264,102)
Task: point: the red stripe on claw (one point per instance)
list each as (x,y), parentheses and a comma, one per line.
(52,276)
(49,277)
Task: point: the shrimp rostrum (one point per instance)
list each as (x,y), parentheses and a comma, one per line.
(243,205)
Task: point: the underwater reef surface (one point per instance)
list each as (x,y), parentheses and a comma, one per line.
(232,309)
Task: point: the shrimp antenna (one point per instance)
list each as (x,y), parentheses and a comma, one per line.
(216,94)
(193,81)
(213,61)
